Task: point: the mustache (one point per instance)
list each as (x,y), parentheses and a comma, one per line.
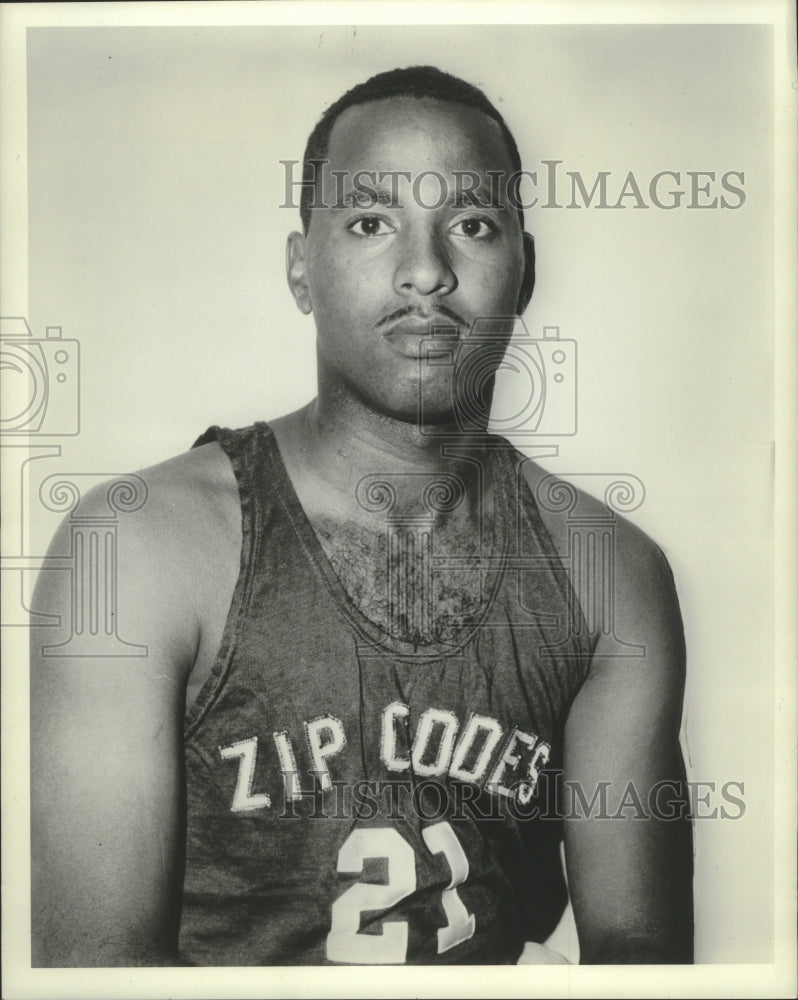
(438,310)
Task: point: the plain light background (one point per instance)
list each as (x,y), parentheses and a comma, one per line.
(156,239)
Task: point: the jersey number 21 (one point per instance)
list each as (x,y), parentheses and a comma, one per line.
(345,943)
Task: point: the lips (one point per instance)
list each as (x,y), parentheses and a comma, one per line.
(420,336)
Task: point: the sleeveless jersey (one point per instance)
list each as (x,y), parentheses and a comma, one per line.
(351,797)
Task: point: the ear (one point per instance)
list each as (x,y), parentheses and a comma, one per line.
(528,280)
(296,273)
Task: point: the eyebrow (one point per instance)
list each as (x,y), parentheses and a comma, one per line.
(472,199)
(378,194)
(370,195)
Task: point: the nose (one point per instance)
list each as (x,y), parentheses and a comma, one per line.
(424,267)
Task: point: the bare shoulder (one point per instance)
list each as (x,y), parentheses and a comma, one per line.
(644,589)
(177,528)
(195,484)
(169,497)
(165,506)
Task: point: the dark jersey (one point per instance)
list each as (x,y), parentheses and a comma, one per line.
(353,797)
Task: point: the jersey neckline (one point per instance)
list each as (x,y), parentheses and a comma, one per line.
(378,641)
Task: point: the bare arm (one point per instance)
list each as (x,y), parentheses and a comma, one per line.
(630,876)
(106,765)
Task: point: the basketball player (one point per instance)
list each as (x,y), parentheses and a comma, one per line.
(366,660)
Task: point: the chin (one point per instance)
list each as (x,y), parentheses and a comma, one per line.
(442,418)
(431,418)
(406,408)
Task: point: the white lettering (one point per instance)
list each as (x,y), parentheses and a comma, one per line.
(321,750)
(538,761)
(285,752)
(243,799)
(493,734)
(509,760)
(431,719)
(396,710)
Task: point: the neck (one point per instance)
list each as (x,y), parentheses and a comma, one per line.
(340,424)
(336,441)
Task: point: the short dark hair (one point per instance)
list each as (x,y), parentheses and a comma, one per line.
(413,81)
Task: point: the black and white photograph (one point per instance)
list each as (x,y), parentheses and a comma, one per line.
(398,454)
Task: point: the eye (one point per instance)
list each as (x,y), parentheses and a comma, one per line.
(474,228)
(370,225)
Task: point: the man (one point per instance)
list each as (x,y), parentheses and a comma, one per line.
(365,656)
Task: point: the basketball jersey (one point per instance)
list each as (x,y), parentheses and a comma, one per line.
(355,798)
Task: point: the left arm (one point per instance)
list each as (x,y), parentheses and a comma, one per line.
(630,875)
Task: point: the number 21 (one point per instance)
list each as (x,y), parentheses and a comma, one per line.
(345,943)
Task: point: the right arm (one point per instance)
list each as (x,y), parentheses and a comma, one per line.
(106,762)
